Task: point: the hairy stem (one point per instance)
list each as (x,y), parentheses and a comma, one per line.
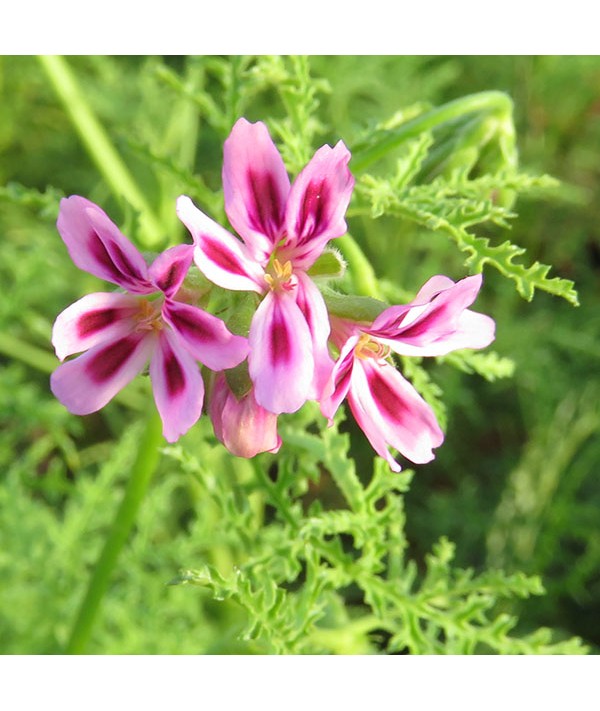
(99,146)
(144,467)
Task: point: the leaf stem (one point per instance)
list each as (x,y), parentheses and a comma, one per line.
(99,146)
(143,468)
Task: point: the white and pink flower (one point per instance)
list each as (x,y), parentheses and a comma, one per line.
(385,405)
(284,229)
(121,332)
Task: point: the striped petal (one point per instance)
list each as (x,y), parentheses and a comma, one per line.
(317,204)
(218,254)
(339,381)
(256,187)
(205,336)
(96,245)
(87,383)
(94,319)
(177,385)
(391,413)
(281,362)
(442,325)
(311,303)
(170,268)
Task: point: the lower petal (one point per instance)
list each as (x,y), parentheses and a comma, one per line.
(89,382)
(205,336)
(177,385)
(281,361)
(391,413)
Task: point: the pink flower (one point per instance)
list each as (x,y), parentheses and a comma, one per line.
(242,425)
(284,229)
(122,332)
(385,405)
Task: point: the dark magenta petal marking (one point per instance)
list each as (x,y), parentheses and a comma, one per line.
(174,375)
(191,328)
(385,398)
(266,217)
(221,256)
(93,321)
(281,347)
(107,362)
(101,254)
(312,209)
(118,265)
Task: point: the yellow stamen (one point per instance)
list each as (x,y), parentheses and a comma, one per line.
(280,274)
(368,347)
(149,316)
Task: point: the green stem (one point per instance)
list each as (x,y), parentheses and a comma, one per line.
(363,274)
(487,101)
(98,145)
(144,467)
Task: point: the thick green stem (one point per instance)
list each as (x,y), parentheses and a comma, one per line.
(144,467)
(487,101)
(363,274)
(99,146)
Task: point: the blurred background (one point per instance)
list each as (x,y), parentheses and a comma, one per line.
(516,484)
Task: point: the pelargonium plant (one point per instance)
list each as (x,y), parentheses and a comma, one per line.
(298,346)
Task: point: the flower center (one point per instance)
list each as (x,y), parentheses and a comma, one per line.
(368,347)
(281,277)
(149,316)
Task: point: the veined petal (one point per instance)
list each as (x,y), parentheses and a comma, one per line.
(339,381)
(311,303)
(96,245)
(93,319)
(317,204)
(87,383)
(218,254)
(177,385)
(281,362)
(438,327)
(169,269)
(391,412)
(256,187)
(205,336)
(243,426)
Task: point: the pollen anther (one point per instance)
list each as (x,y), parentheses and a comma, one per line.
(368,347)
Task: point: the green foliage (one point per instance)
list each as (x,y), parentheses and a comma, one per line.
(320,548)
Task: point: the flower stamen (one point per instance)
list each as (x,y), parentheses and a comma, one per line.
(368,347)
(281,277)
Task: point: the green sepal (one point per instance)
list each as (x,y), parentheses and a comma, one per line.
(238,380)
(330,265)
(354,308)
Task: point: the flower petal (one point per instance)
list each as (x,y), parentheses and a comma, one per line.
(256,187)
(317,204)
(87,383)
(391,412)
(94,319)
(243,426)
(281,362)
(218,254)
(205,336)
(311,303)
(97,246)
(339,381)
(438,327)
(177,385)
(169,269)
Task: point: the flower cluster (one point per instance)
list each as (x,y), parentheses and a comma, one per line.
(284,354)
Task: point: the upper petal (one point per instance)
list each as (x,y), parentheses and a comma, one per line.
(317,204)
(391,412)
(93,319)
(218,254)
(442,325)
(255,185)
(97,246)
(169,269)
(177,385)
(339,381)
(281,362)
(205,336)
(87,383)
